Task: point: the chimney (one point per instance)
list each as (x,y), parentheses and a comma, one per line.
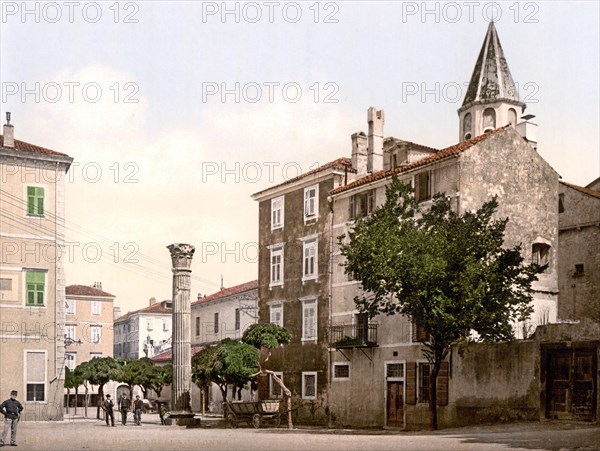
(359,153)
(152,301)
(199,296)
(528,130)
(116,312)
(375,154)
(98,285)
(9,132)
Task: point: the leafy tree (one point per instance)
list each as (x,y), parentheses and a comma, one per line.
(230,362)
(137,372)
(98,372)
(270,336)
(162,375)
(81,374)
(447,272)
(69,384)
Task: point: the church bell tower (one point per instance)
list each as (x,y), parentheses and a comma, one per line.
(492,99)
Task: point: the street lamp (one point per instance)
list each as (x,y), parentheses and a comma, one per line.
(69,341)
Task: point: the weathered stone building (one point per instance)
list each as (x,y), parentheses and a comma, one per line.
(579,252)
(293,281)
(32,278)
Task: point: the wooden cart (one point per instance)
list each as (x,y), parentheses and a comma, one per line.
(254,412)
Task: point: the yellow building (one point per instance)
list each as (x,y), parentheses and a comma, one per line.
(32,279)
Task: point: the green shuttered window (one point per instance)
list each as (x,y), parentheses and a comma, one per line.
(35,201)
(35,287)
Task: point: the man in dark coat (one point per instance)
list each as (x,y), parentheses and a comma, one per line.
(138,406)
(11,409)
(107,406)
(124,405)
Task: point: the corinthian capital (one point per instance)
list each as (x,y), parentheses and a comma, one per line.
(181,255)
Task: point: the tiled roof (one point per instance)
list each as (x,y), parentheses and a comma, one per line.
(340,163)
(155,308)
(84,290)
(410,144)
(167,356)
(436,157)
(229,292)
(26,147)
(589,192)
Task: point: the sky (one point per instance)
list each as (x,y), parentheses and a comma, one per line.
(176,112)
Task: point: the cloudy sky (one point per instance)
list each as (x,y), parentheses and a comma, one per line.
(176,112)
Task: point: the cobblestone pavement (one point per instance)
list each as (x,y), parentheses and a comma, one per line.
(91,434)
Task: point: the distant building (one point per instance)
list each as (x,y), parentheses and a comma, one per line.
(32,278)
(224,314)
(88,324)
(145,332)
(579,252)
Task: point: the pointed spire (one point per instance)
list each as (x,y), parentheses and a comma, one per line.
(491,80)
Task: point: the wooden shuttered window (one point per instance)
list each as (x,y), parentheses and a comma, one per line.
(419,333)
(411,383)
(441,384)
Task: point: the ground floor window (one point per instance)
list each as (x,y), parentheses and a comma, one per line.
(35,373)
(309,385)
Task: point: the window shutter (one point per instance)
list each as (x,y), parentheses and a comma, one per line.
(411,383)
(442,385)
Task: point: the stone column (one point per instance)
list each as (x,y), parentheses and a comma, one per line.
(181,256)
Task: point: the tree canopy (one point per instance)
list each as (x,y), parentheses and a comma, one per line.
(448,272)
(99,371)
(228,362)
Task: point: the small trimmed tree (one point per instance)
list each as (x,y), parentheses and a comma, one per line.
(99,371)
(229,362)
(448,272)
(270,336)
(162,375)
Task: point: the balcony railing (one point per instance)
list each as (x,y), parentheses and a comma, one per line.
(353,335)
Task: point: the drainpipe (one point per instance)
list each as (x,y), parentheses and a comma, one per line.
(330,310)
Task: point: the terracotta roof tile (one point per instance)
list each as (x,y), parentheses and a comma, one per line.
(158,308)
(84,290)
(26,147)
(438,156)
(340,163)
(589,192)
(229,292)
(167,356)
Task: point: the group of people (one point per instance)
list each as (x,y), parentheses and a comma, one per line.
(11,410)
(124,405)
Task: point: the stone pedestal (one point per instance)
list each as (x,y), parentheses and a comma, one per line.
(181,257)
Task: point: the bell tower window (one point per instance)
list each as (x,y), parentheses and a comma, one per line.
(489,120)
(467,124)
(512,117)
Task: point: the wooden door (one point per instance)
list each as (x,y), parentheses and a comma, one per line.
(583,384)
(559,384)
(395,404)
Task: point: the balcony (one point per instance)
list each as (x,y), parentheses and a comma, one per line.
(347,336)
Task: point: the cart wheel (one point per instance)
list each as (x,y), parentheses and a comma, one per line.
(256,420)
(277,420)
(233,421)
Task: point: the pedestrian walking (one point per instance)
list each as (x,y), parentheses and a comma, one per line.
(138,405)
(124,406)
(107,405)
(11,409)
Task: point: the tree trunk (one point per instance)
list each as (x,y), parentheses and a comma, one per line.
(85,404)
(437,363)
(100,399)
(68,396)
(76,398)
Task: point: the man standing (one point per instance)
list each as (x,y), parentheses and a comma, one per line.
(124,405)
(107,406)
(11,409)
(138,405)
